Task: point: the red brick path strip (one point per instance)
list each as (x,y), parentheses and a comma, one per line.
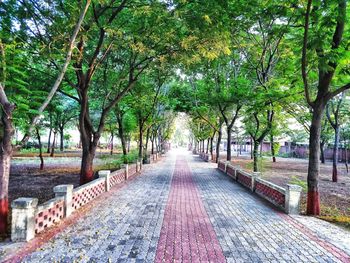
(187,234)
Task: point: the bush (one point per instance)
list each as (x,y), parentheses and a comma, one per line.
(113,164)
(131,157)
(29,150)
(31,146)
(284,155)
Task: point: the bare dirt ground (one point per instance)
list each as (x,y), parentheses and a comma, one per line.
(27,180)
(335,197)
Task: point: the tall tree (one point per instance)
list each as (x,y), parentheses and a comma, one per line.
(324,45)
(120,41)
(27,36)
(333,115)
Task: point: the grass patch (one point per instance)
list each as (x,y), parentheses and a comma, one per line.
(334,215)
(114,162)
(262,165)
(340,220)
(297,181)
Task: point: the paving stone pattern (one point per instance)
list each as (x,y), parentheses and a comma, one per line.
(187,234)
(188,211)
(249,230)
(125,229)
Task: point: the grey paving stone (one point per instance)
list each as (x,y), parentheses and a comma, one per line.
(124,228)
(127,227)
(244,222)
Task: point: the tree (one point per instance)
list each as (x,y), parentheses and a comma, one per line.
(325,137)
(323,45)
(66,63)
(333,108)
(115,48)
(14,46)
(146,96)
(38,136)
(127,123)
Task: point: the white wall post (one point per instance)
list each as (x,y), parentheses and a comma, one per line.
(107,175)
(137,166)
(292,201)
(23,219)
(254,176)
(141,164)
(65,190)
(237,168)
(209,157)
(226,164)
(126,172)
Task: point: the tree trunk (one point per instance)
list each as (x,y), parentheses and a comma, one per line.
(61,139)
(251,148)
(147,140)
(7,132)
(228,150)
(89,141)
(123,142)
(323,160)
(121,135)
(156,144)
(313,198)
(152,145)
(208,142)
(49,140)
(218,145)
(5,160)
(273,148)
(140,142)
(53,144)
(346,157)
(211,147)
(40,149)
(112,141)
(335,154)
(86,170)
(255,155)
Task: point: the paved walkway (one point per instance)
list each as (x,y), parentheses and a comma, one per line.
(184,210)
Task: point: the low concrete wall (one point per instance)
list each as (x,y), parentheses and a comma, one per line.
(29,219)
(222,166)
(287,199)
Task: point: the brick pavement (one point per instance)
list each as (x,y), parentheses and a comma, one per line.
(249,230)
(124,228)
(187,234)
(191,214)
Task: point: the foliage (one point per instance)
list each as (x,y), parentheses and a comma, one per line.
(297,181)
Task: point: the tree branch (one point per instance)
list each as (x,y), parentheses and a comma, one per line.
(304,54)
